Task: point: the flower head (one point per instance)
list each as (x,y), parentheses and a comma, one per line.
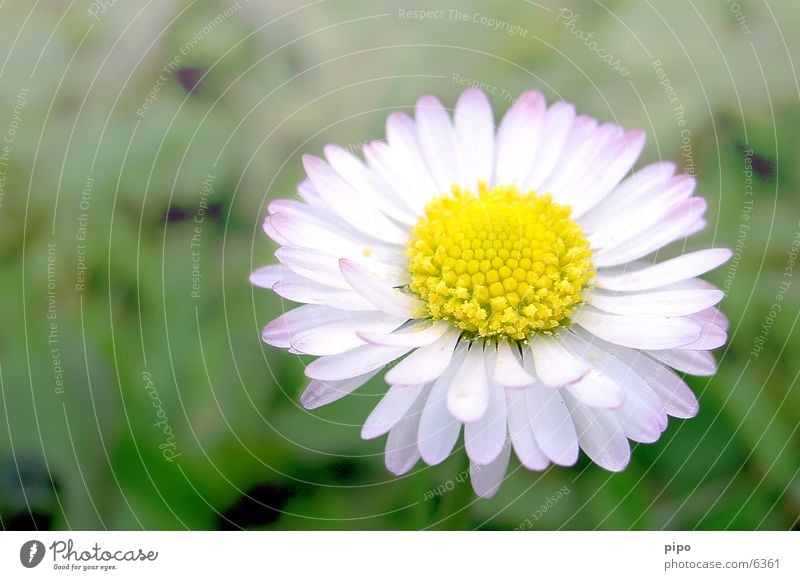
(513,273)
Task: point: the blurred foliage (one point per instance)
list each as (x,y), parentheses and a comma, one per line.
(258,84)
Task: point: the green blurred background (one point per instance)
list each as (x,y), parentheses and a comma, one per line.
(141,141)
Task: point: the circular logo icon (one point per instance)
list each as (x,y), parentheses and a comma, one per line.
(31,553)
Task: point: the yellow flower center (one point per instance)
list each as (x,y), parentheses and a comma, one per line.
(500,263)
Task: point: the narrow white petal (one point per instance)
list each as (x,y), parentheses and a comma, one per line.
(552,424)
(438,429)
(474,125)
(597,390)
(677,398)
(600,435)
(486,479)
(316,266)
(390,410)
(662,303)
(368,183)
(353,207)
(693,362)
(468,395)
(643,184)
(427,363)
(319,393)
(400,172)
(521,432)
(321,235)
(644,214)
(298,289)
(518,138)
(340,335)
(418,335)
(508,370)
(555,365)
(401,446)
(667,272)
(673,226)
(646,332)
(613,167)
(639,420)
(713,316)
(406,157)
(379,294)
(608,359)
(268,276)
(484,438)
(354,362)
(309,194)
(273,233)
(558,121)
(279,332)
(711,337)
(585,141)
(438,142)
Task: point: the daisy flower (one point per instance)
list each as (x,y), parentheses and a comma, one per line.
(510,281)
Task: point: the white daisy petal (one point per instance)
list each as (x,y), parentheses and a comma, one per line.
(584,141)
(416,336)
(677,398)
(600,435)
(597,390)
(693,362)
(518,138)
(268,276)
(711,337)
(521,432)
(405,156)
(298,289)
(354,362)
(474,125)
(299,227)
(273,233)
(643,184)
(401,445)
(558,122)
(468,395)
(340,335)
(644,216)
(350,205)
(647,332)
(438,142)
(426,363)
(316,266)
(401,171)
(484,438)
(607,358)
(319,393)
(279,332)
(486,479)
(379,294)
(673,226)
(612,168)
(309,194)
(713,316)
(552,424)
(368,183)
(555,365)
(390,410)
(438,429)
(664,303)
(667,272)
(508,370)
